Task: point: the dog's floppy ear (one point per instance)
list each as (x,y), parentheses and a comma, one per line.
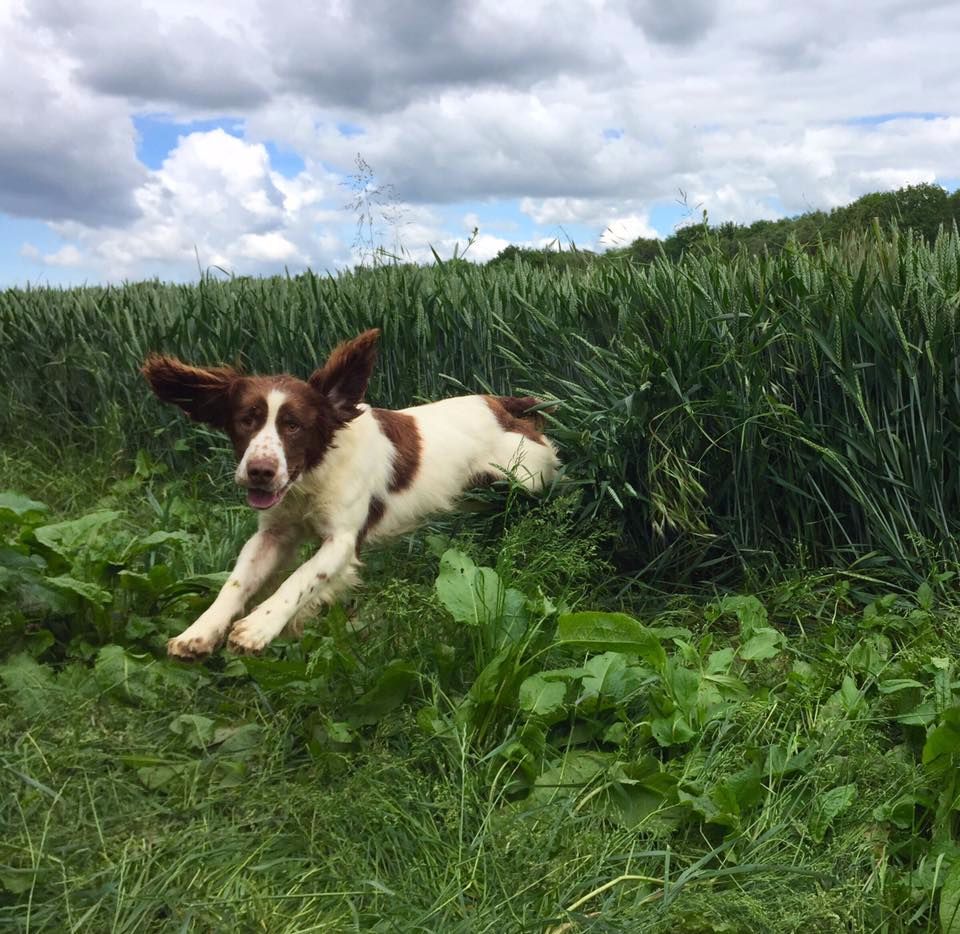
(202,392)
(343,378)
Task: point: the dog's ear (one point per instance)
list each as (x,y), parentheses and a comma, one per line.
(343,378)
(202,392)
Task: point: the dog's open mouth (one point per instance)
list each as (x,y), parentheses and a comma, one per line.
(264,499)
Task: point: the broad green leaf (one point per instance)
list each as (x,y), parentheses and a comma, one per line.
(390,691)
(780,762)
(197,583)
(513,615)
(763,644)
(870,654)
(195,730)
(153,583)
(944,739)
(850,696)
(30,685)
(683,684)
(720,661)
(600,671)
(671,730)
(950,901)
(542,698)
(155,777)
(17,881)
(566,779)
(472,595)
(15,508)
(526,749)
(237,740)
(16,560)
(609,678)
(828,806)
(493,678)
(118,672)
(749,611)
(339,731)
(639,791)
(729,799)
(611,632)
(155,540)
(67,538)
(274,674)
(90,593)
(10,579)
(922,714)
(893,685)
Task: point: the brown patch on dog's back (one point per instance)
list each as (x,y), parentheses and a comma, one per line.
(403,434)
(511,414)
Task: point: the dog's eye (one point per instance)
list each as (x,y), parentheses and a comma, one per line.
(292,427)
(249,420)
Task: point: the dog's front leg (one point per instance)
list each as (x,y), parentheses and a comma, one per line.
(258,559)
(312,580)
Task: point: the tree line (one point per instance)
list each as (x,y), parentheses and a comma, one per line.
(923,208)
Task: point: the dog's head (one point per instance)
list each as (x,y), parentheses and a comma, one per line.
(280,426)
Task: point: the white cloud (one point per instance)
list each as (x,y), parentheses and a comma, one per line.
(624,230)
(67,255)
(751,107)
(64,151)
(271,247)
(216,199)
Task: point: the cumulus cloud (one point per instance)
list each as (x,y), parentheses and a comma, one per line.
(215,200)
(381,55)
(64,153)
(159,53)
(679,22)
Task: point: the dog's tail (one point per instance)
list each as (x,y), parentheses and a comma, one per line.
(520,406)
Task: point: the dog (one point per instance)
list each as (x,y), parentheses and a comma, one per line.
(319,463)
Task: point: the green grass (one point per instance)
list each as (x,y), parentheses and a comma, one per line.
(361,781)
(707,685)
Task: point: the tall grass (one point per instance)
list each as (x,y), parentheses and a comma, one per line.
(801,407)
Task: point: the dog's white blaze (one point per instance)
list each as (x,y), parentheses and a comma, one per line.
(266,444)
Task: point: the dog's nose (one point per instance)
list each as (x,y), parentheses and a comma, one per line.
(261,473)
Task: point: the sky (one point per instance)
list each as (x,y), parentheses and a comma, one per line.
(159,138)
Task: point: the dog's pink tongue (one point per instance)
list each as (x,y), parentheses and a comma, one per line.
(261,499)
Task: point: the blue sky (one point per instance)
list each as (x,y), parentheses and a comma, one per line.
(228,131)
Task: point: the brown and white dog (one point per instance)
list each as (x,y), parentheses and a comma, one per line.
(318,463)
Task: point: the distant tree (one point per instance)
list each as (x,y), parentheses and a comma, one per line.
(923,208)
(546,258)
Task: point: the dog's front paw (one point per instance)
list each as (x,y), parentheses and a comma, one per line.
(247,638)
(190,649)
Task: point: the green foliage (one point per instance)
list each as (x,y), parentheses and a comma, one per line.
(546,258)
(69,586)
(723,412)
(750,758)
(925,209)
(440,738)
